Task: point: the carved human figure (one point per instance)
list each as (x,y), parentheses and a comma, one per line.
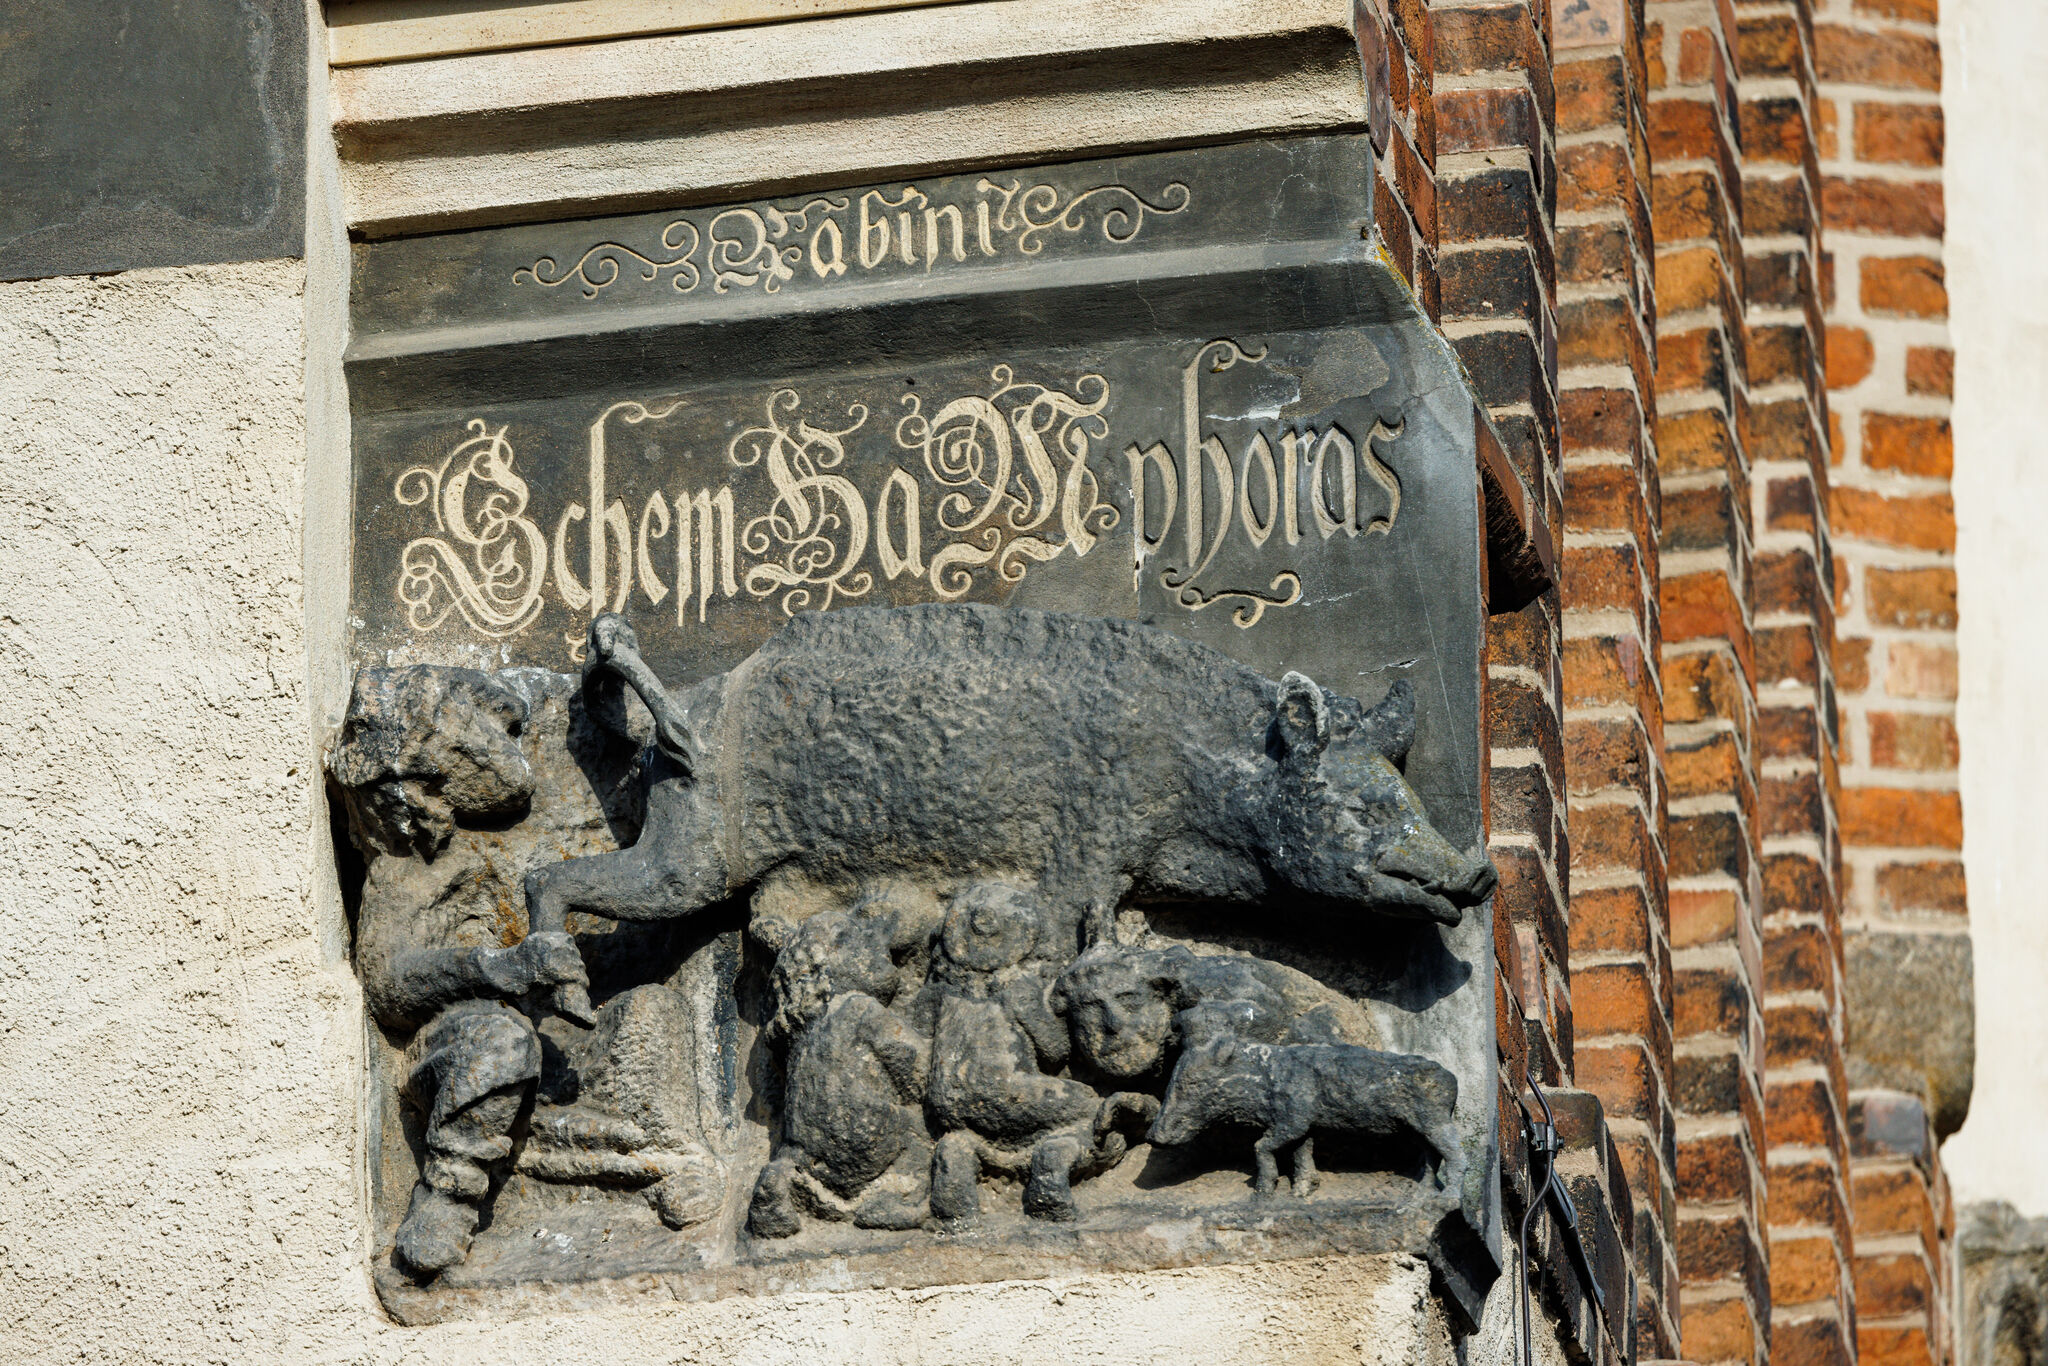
(420,748)
(995,1045)
(854,1145)
(1131,1009)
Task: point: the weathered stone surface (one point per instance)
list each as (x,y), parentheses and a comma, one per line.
(939,864)
(2005,1286)
(144,134)
(1912,1019)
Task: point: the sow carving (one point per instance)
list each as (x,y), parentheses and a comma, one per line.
(1099,762)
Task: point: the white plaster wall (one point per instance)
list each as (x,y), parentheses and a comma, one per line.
(174,1046)
(1996,105)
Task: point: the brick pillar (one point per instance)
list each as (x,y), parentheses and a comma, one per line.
(1495,192)
(1614,717)
(1709,693)
(1905,940)
(1905,1234)
(1812,1298)
(1404,198)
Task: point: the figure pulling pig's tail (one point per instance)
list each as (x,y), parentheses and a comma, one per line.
(613,663)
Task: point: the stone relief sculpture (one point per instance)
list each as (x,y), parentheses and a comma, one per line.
(948,1015)
(859,745)
(421,748)
(446,966)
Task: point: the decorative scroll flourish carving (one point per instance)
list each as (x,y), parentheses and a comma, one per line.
(1284,591)
(973,492)
(995,456)
(1033,213)
(597,269)
(477,501)
(744,248)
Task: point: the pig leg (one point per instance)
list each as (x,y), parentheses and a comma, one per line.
(626,885)
(673,871)
(1048,1191)
(1269,1164)
(772,1211)
(1293,1116)
(956,1177)
(1450,1159)
(1303,1183)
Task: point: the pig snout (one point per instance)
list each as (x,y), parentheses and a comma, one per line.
(1439,872)
(1189,1101)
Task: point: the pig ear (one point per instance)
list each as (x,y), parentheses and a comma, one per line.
(1390,726)
(1302,718)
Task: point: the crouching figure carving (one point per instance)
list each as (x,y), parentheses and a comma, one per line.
(426,754)
(420,749)
(997,1047)
(854,1146)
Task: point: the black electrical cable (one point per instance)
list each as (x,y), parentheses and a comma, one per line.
(1544,1141)
(1542,1138)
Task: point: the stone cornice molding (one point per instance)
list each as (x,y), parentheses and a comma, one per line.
(710,116)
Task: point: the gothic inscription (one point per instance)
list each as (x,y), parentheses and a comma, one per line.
(831,237)
(972,487)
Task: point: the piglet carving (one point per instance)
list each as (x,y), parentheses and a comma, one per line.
(1291,1092)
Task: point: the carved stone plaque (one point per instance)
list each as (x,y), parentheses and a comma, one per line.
(919,733)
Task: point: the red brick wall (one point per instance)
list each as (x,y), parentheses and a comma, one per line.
(1890,377)
(1710,707)
(1689,251)
(1812,1310)
(1613,699)
(1404,207)
(1905,1231)
(1495,183)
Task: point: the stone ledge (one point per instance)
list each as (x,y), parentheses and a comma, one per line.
(693,118)
(366,32)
